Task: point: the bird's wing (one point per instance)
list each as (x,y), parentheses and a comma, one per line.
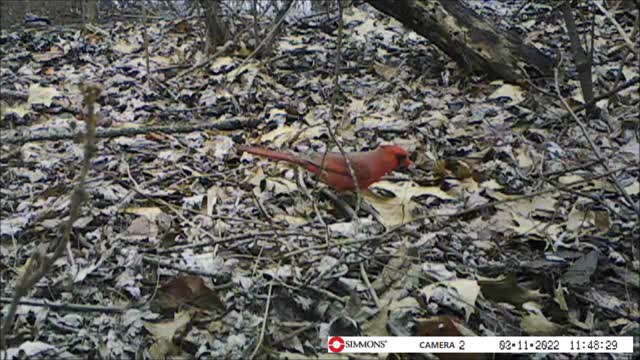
(336,164)
(331,163)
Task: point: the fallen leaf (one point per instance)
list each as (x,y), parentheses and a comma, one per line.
(513,92)
(399,209)
(459,294)
(506,289)
(187,291)
(535,324)
(41,95)
(167,329)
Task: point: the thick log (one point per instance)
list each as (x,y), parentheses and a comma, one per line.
(463,35)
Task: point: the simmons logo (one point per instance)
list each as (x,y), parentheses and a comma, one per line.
(337,344)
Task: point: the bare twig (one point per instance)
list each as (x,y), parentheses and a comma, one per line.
(606,307)
(626,85)
(167,264)
(627,54)
(593,198)
(517,12)
(145,36)
(340,203)
(269,36)
(621,31)
(334,99)
(596,151)
(264,322)
(372,291)
(299,287)
(592,45)
(293,334)
(221,50)
(571,169)
(268,233)
(254,14)
(39,265)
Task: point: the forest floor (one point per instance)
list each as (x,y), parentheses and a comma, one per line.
(515,219)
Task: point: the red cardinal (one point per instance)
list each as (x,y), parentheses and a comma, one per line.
(369,166)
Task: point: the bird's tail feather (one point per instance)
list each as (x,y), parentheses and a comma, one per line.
(276,155)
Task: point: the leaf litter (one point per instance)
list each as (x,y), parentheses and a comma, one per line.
(188,243)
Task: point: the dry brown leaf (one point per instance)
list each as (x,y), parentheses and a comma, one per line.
(187,291)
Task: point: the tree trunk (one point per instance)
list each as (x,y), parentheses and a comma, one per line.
(217,31)
(90,11)
(474,44)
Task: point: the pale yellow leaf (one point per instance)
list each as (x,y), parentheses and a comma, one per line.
(514,92)
(20,109)
(167,329)
(279,136)
(399,209)
(633,189)
(465,290)
(293,221)
(151,213)
(41,94)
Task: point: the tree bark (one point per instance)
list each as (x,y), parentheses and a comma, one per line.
(580,58)
(474,44)
(217,31)
(90,11)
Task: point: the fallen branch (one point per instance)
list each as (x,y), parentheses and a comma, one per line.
(229,124)
(66,307)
